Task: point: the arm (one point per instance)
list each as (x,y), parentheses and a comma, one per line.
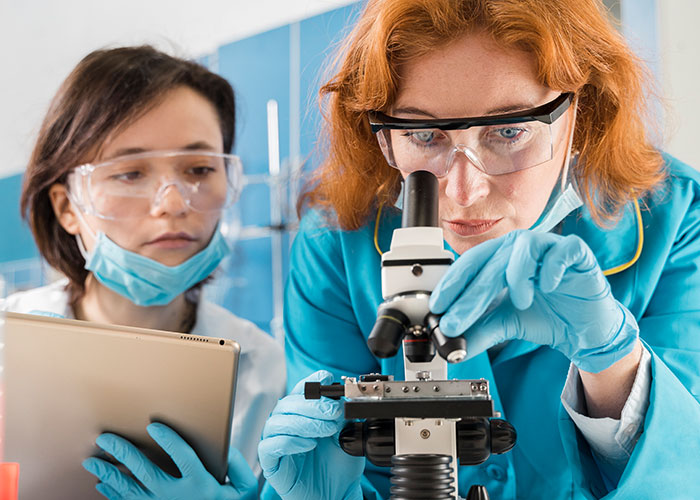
(322,333)
(553,301)
(658,449)
(606,392)
(322,328)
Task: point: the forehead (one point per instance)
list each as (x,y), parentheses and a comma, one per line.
(471,76)
(181,118)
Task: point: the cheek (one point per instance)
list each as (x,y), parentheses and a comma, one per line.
(124,234)
(529,193)
(206,225)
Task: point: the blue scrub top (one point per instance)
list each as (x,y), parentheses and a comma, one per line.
(334,289)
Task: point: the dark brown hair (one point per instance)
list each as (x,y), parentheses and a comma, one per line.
(576,49)
(105,92)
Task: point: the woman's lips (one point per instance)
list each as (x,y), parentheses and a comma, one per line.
(471,227)
(172,240)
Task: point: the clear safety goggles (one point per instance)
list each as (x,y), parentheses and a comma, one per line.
(496,144)
(130,186)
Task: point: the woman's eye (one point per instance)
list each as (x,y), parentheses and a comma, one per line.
(509,133)
(128,176)
(201,171)
(423,137)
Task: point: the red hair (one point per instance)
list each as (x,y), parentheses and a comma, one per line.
(576,49)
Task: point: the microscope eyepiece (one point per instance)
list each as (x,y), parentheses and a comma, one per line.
(420,200)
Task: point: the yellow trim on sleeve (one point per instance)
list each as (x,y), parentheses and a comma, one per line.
(640,244)
(376,229)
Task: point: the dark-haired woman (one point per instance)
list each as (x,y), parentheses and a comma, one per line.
(124,193)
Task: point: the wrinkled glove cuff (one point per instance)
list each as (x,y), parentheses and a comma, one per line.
(621,344)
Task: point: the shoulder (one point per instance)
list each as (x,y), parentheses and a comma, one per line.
(216,321)
(51,298)
(674,207)
(680,170)
(682,183)
(257,347)
(319,232)
(318,228)
(262,358)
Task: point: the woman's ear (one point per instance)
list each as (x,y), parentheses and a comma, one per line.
(64,209)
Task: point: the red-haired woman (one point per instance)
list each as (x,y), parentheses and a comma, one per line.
(575,282)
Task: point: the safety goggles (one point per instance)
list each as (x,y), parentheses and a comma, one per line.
(129,186)
(496,144)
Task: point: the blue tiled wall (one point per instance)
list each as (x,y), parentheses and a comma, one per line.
(16,241)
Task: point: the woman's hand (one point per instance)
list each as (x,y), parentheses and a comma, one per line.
(299,453)
(555,295)
(195,482)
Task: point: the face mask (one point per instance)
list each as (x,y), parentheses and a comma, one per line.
(561,204)
(147,282)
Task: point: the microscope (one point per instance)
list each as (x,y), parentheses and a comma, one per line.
(424,426)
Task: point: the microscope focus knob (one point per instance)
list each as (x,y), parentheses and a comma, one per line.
(503,436)
(452,349)
(372,438)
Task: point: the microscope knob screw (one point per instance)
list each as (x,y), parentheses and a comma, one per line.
(404,388)
(436,388)
(425,433)
(417,270)
(416,388)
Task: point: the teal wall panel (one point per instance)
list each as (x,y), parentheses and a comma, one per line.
(16,242)
(320,38)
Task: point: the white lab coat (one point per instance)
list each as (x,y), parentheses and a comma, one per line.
(261,372)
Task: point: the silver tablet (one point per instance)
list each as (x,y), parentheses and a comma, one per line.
(67,381)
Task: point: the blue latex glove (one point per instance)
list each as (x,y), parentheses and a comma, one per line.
(556,295)
(299,453)
(195,482)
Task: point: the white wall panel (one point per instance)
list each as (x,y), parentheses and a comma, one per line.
(41,40)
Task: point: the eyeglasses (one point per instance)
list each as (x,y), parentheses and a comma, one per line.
(130,185)
(496,144)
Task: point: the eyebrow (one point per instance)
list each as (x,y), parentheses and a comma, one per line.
(195,146)
(510,108)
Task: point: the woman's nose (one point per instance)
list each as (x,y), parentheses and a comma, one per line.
(466,183)
(169,200)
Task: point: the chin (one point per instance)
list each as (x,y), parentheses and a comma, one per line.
(171,259)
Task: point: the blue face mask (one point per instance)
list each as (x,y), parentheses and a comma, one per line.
(561,204)
(147,282)
(563,200)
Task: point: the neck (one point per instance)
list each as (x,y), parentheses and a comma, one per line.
(102,305)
